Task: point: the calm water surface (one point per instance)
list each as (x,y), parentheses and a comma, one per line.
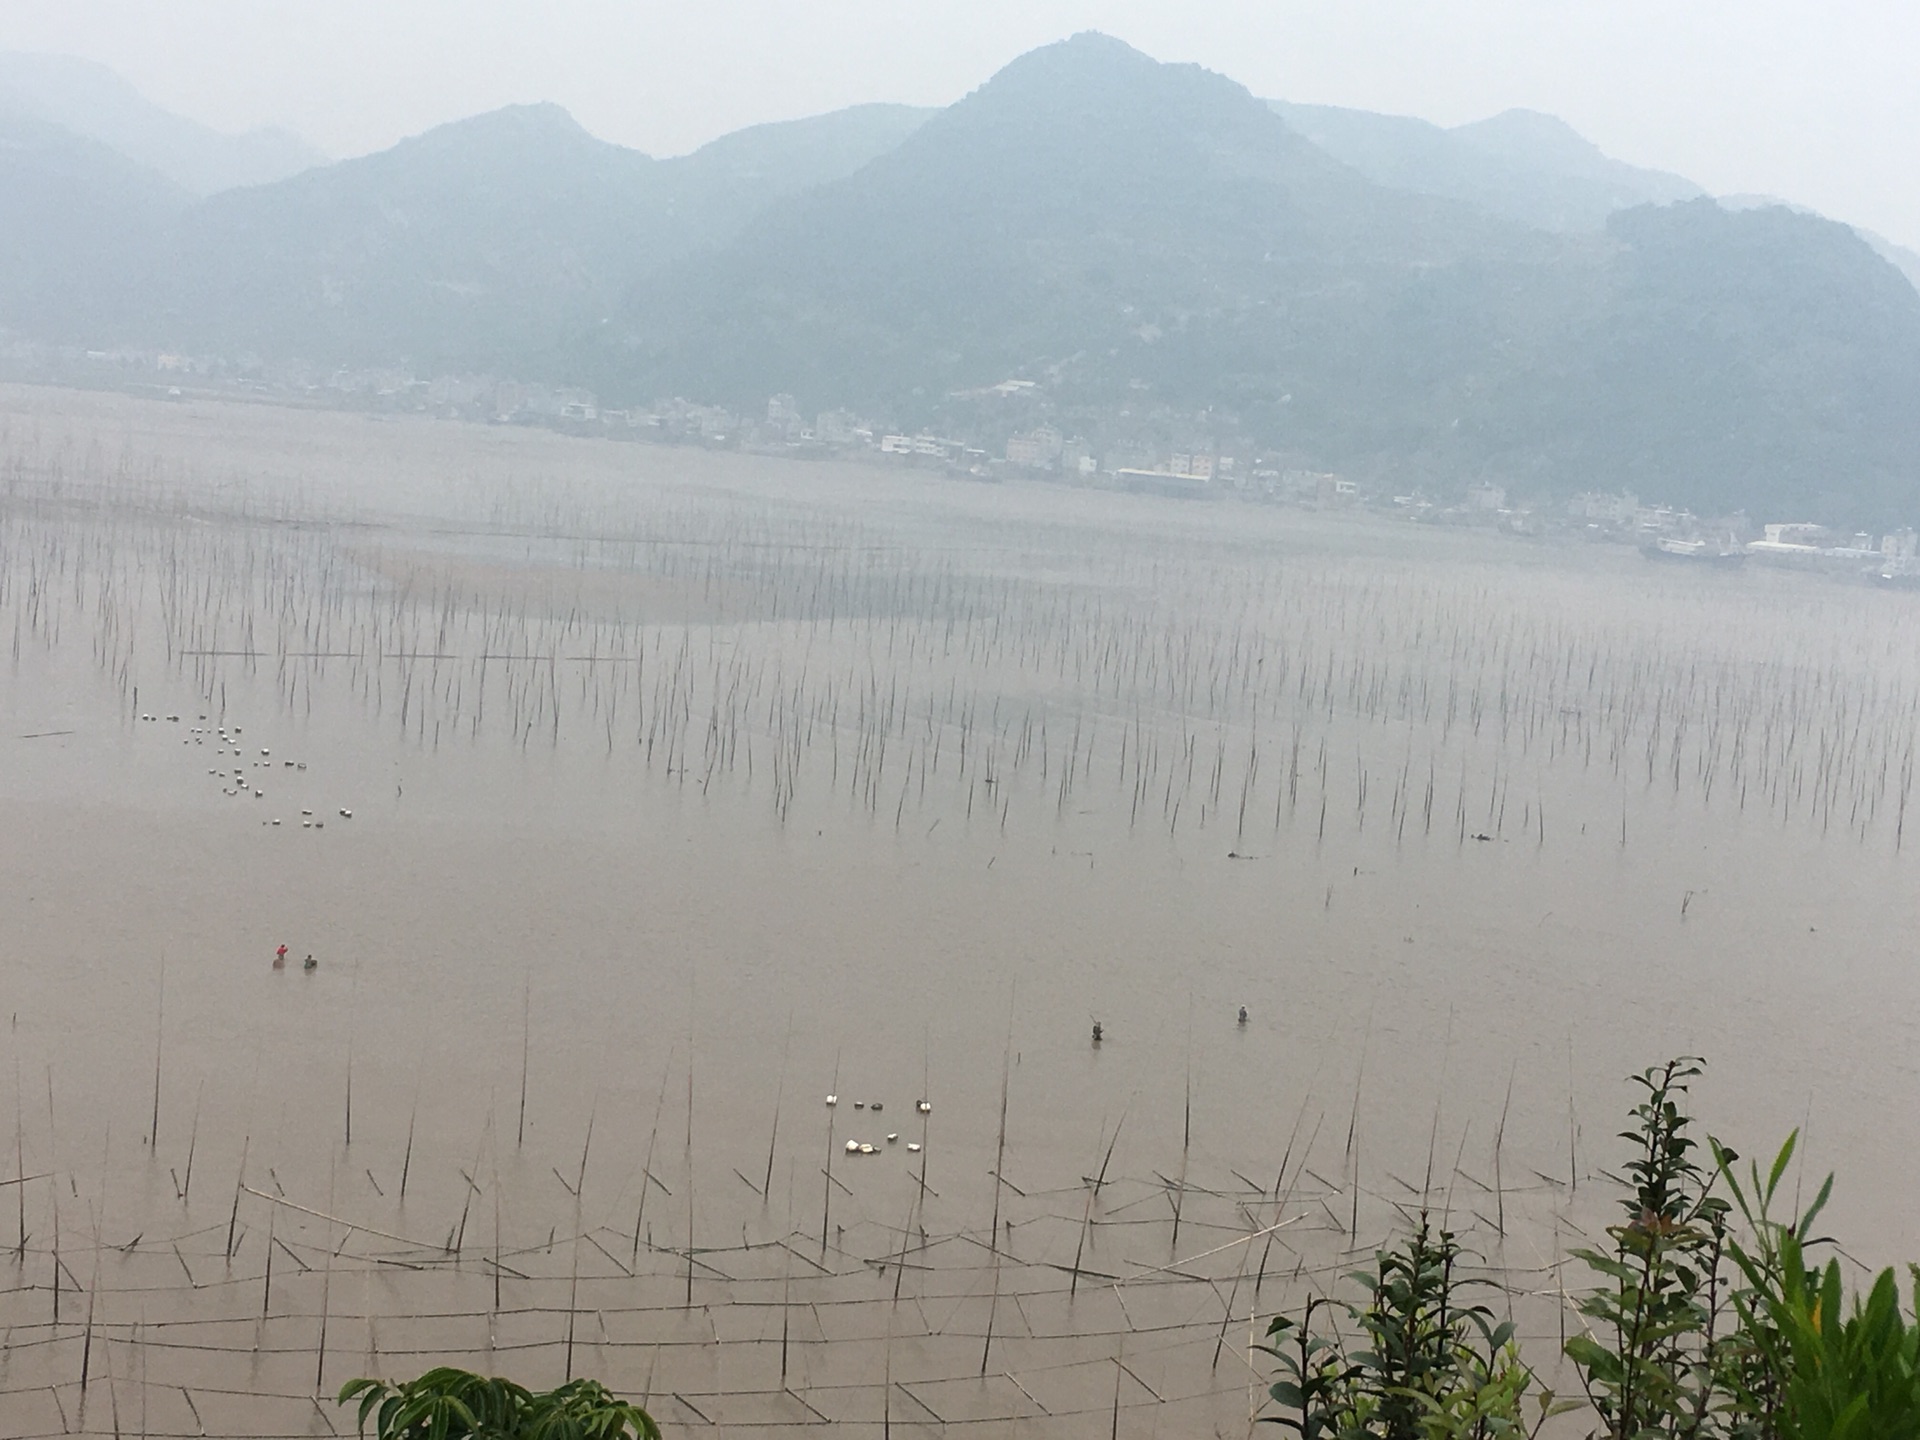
(689,789)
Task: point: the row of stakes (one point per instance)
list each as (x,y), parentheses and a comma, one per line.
(862,1147)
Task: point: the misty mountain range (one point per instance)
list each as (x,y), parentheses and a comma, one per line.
(92,101)
(1358,292)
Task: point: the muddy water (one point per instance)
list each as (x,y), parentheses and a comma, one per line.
(687,790)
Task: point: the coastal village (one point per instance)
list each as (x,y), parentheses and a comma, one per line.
(993,436)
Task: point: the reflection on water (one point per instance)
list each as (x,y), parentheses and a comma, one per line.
(687,790)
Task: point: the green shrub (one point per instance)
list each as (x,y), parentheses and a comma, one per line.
(1648,1361)
(1807,1363)
(1428,1366)
(1709,1321)
(450,1404)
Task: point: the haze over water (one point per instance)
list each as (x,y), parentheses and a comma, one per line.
(687,789)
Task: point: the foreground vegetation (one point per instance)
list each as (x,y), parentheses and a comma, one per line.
(1707,1320)
(450,1404)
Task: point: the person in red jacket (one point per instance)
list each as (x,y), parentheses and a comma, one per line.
(280,957)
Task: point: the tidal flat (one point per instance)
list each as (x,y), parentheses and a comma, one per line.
(632,801)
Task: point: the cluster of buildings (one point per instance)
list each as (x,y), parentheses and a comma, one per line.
(1201,468)
(1669,533)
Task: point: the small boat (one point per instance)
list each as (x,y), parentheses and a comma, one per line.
(1698,552)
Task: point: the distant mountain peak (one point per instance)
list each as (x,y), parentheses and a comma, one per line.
(1092,106)
(539,123)
(1521,164)
(1528,132)
(1092,45)
(538,150)
(93,101)
(1088,60)
(537,115)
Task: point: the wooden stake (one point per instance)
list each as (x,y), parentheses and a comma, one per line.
(239,1183)
(526,1045)
(159,1034)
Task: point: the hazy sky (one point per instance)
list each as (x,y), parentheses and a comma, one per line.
(1817,102)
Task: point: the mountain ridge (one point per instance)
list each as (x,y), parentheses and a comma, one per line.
(478,244)
(1051,152)
(1526,166)
(1143,238)
(1147,244)
(97,103)
(72,228)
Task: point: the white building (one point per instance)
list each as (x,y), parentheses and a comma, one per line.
(1196,464)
